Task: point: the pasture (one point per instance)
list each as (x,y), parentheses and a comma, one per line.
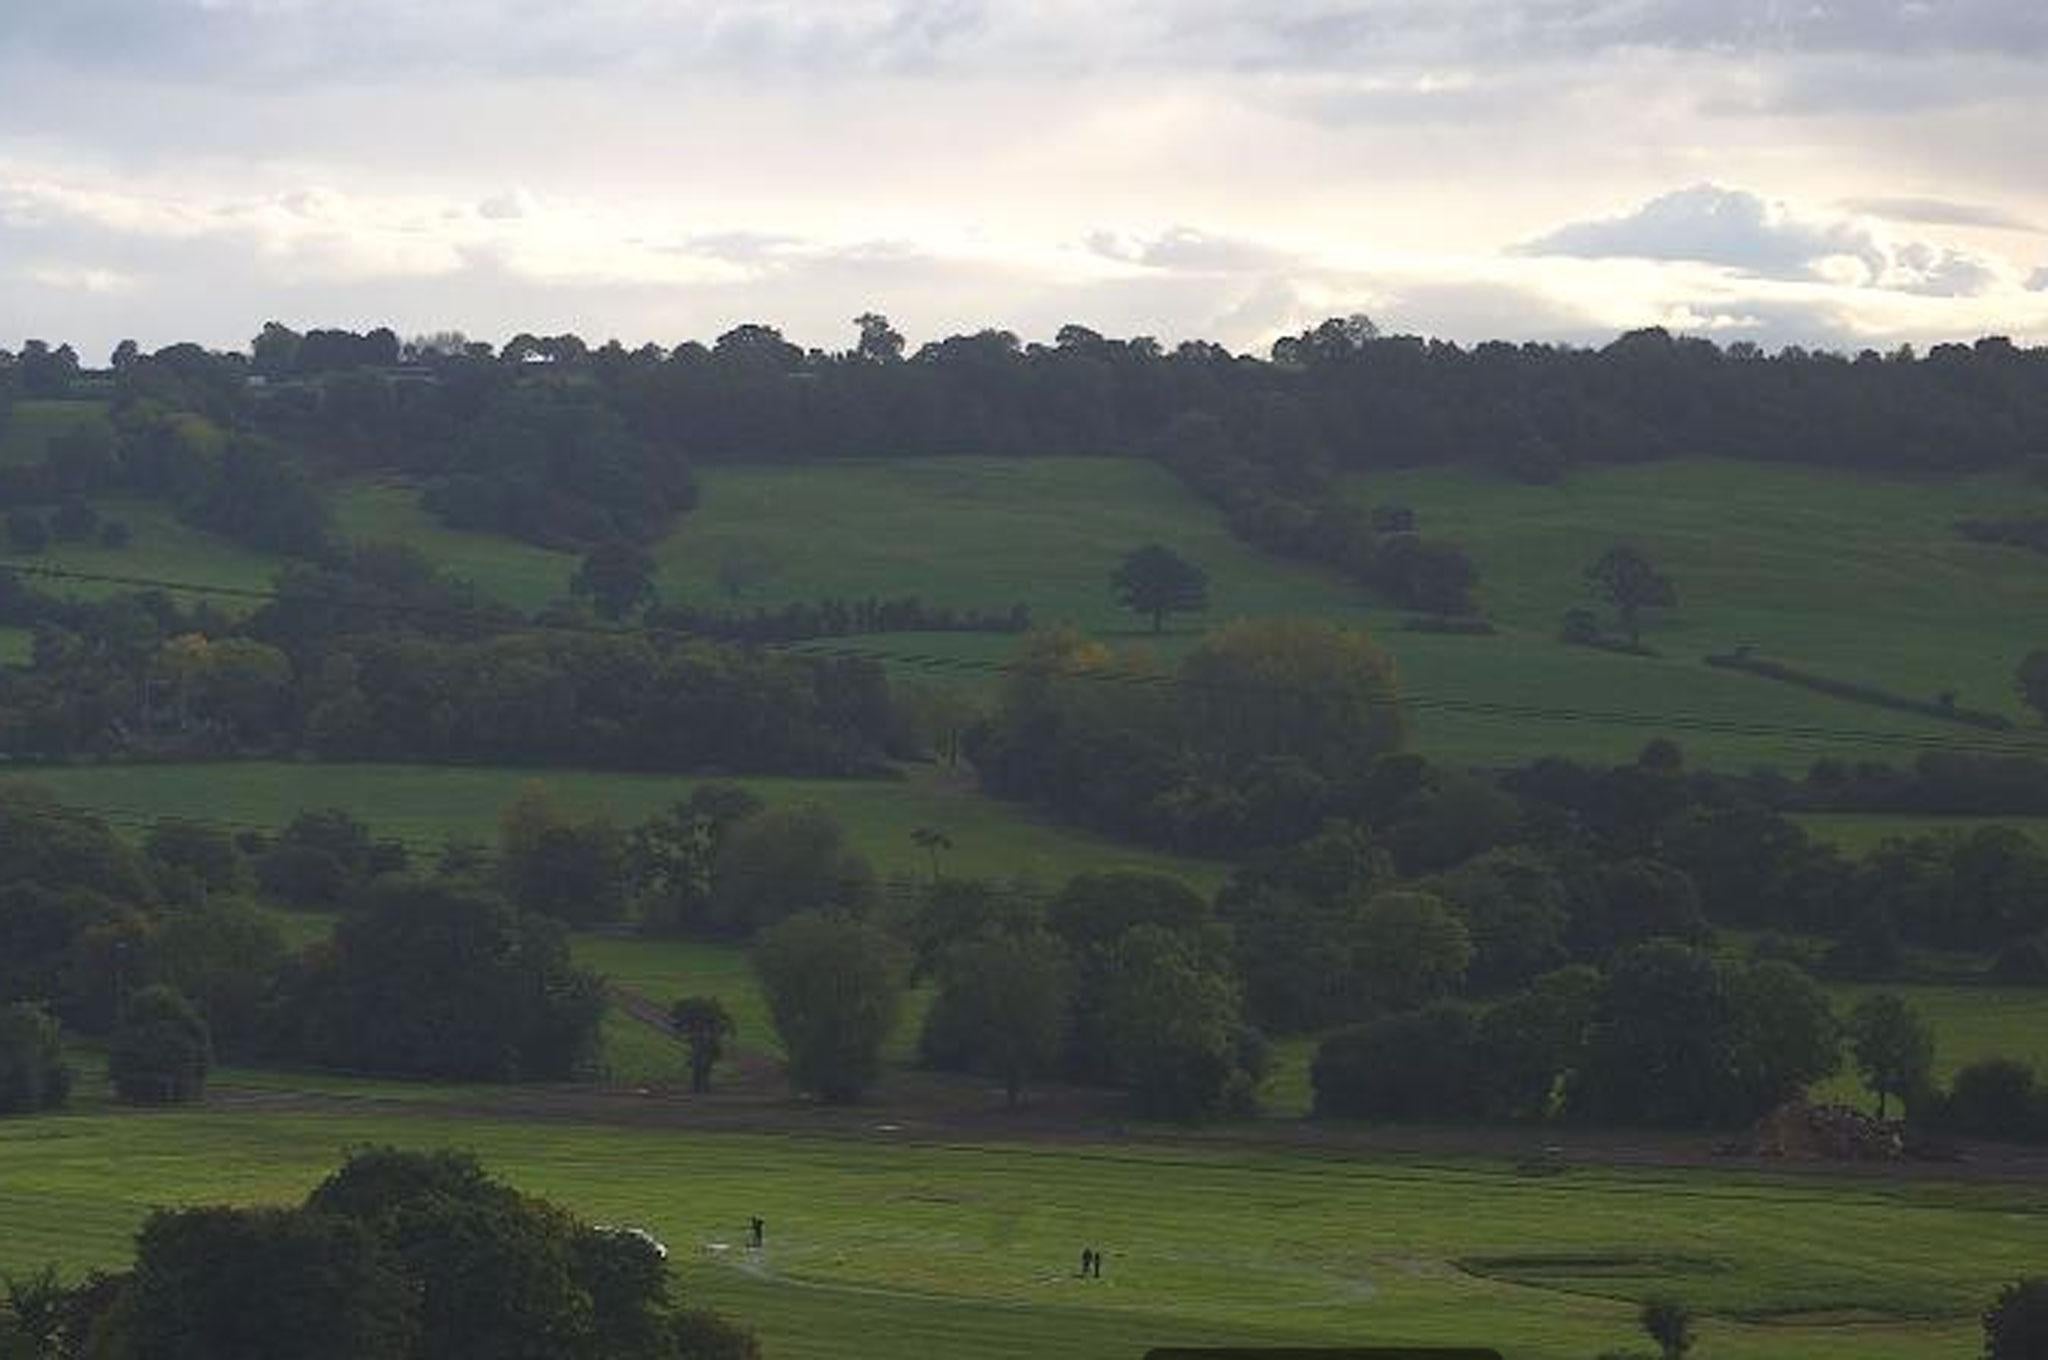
(1856,577)
(879,1246)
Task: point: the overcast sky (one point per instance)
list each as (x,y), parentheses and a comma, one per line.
(1838,172)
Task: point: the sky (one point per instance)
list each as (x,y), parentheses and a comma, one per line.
(1839,173)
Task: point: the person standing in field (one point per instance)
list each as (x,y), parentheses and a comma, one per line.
(758,1231)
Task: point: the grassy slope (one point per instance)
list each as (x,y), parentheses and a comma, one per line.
(517,573)
(425,804)
(1858,578)
(882,1249)
(1855,577)
(29,429)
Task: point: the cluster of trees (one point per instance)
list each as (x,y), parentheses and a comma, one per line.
(396,1256)
(374,655)
(1663,1035)
(1259,734)
(1121,980)
(39,371)
(453,973)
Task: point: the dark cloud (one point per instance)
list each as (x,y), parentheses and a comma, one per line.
(1940,212)
(280,40)
(1737,230)
(1712,225)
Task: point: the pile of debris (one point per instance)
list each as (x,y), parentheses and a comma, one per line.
(1808,1133)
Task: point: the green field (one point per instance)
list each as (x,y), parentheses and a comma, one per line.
(1854,577)
(516,573)
(885,1248)
(164,548)
(424,805)
(27,431)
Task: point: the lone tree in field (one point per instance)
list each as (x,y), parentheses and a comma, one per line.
(1894,1047)
(2016,1324)
(1625,578)
(1669,1324)
(2033,680)
(617,576)
(705,1025)
(1158,581)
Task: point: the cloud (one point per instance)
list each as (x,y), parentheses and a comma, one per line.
(1940,212)
(1187,250)
(2038,283)
(1712,225)
(509,206)
(1741,231)
(79,278)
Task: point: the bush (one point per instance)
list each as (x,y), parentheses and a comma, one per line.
(1995,1098)
(1422,1065)
(160,1052)
(32,1072)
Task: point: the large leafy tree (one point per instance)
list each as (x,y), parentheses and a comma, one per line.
(254,1284)
(835,988)
(1002,1007)
(444,980)
(1625,577)
(161,1051)
(1893,1045)
(32,1071)
(1157,581)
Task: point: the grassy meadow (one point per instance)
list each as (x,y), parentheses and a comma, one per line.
(1857,578)
(880,1247)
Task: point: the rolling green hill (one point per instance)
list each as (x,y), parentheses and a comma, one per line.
(1854,577)
(1857,578)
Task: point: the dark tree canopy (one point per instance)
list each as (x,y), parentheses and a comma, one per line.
(161,1051)
(1156,581)
(1624,577)
(835,988)
(704,1024)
